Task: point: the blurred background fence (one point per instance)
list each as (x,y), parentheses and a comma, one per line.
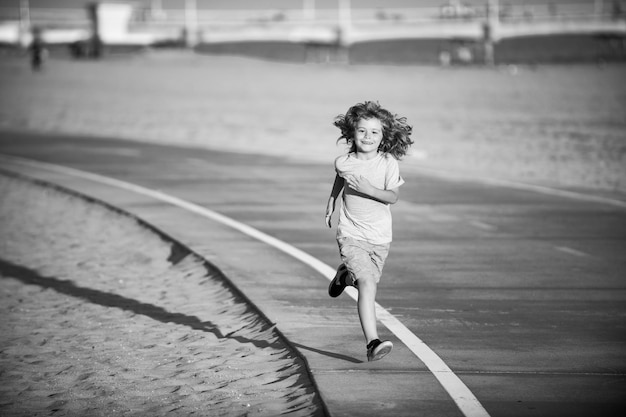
(430,31)
(161,12)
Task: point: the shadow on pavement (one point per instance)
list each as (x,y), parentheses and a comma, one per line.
(327,353)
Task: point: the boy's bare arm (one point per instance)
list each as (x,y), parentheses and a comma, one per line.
(330,207)
(362,185)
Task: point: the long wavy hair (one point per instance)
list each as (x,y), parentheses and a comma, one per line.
(396,132)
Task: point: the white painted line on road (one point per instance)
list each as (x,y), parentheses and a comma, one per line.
(571,251)
(482,225)
(467,403)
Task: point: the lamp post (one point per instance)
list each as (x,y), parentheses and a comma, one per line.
(345,22)
(156,9)
(24,22)
(345,14)
(598,9)
(191,23)
(308,9)
(490,26)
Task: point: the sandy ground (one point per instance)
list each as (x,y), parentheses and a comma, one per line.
(555,125)
(91,326)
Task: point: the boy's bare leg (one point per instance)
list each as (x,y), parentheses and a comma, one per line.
(367,310)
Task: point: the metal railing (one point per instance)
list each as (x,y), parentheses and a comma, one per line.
(540,10)
(452,18)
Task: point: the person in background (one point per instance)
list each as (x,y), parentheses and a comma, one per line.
(38,51)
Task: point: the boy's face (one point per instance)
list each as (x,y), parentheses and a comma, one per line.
(367,135)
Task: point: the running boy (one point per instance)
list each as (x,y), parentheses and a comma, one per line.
(370,178)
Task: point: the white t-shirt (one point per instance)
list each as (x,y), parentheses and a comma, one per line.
(361,217)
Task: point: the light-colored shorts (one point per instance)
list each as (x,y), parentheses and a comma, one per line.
(362,259)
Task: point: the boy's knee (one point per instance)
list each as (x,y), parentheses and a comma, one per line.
(366,282)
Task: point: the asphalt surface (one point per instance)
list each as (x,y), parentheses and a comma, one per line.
(521,293)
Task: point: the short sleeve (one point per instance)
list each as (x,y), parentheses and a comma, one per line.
(340,165)
(392,176)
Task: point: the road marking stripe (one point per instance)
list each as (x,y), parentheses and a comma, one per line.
(482,225)
(571,251)
(467,403)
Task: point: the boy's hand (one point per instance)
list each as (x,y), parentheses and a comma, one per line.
(330,208)
(360,184)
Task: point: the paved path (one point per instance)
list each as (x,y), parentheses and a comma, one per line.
(520,293)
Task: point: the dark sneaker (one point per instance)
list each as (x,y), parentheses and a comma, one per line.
(338,284)
(377,350)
